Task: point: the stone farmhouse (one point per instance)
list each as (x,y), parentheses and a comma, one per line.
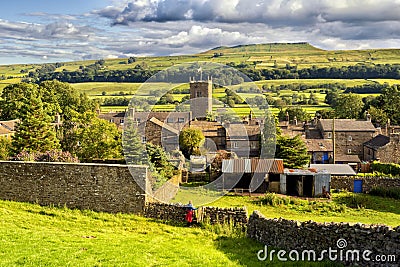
(385,149)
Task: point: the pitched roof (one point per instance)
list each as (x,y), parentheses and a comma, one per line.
(4,131)
(323,145)
(347,158)
(334,169)
(253,165)
(347,125)
(10,125)
(377,142)
(164,125)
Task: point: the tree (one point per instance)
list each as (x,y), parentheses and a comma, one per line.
(97,139)
(378,116)
(134,149)
(348,106)
(35,132)
(300,114)
(293,151)
(190,140)
(131,60)
(5,148)
(15,98)
(160,161)
(389,102)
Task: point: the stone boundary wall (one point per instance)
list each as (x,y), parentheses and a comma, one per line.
(347,183)
(299,236)
(168,190)
(98,187)
(213,215)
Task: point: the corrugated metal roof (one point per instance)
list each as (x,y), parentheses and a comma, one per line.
(253,165)
(334,169)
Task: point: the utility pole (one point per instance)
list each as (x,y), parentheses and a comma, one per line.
(333,140)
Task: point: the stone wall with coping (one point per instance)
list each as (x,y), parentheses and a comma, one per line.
(294,235)
(347,183)
(98,187)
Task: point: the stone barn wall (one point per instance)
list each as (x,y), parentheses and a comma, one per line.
(301,236)
(347,183)
(98,187)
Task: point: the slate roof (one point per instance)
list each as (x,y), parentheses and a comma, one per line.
(347,125)
(377,142)
(321,145)
(347,158)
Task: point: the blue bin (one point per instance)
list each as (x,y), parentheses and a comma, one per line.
(358,186)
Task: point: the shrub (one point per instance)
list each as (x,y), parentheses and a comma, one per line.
(386,192)
(386,168)
(49,156)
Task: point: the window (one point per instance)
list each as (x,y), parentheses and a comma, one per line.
(349,138)
(144,139)
(253,145)
(349,151)
(181,120)
(111,120)
(198,94)
(235,145)
(170,120)
(329,135)
(121,121)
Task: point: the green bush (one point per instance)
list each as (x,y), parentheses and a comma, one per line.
(386,192)
(386,168)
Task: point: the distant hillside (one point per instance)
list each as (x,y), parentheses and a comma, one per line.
(258,61)
(262,48)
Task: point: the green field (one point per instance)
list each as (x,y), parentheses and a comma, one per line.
(32,235)
(261,56)
(344,207)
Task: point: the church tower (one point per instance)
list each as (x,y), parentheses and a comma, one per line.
(200,98)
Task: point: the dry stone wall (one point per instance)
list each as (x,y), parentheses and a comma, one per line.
(347,183)
(98,187)
(213,215)
(294,235)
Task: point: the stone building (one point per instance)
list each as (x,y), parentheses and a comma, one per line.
(385,149)
(320,150)
(115,117)
(163,127)
(200,98)
(349,137)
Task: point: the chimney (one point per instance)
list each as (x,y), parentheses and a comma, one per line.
(287,116)
(394,138)
(58,119)
(368,116)
(295,120)
(131,112)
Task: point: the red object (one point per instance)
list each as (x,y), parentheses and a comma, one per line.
(189,216)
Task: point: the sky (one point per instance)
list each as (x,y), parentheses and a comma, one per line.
(38,31)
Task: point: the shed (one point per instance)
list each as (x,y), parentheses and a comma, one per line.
(249,174)
(304,182)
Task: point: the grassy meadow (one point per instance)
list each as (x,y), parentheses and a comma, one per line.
(344,207)
(32,235)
